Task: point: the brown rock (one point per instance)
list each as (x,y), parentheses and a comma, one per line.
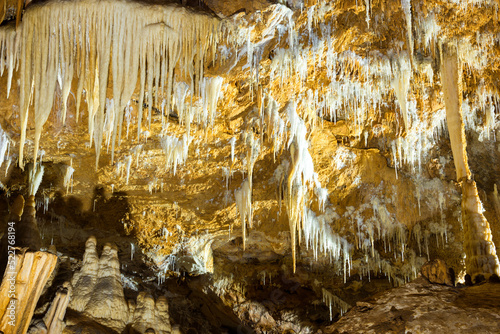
(437,272)
(228,8)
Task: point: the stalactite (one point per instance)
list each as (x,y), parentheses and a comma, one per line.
(123,39)
(211,91)
(243,197)
(401,84)
(368,11)
(406,4)
(9,52)
(176,151)
(334,301)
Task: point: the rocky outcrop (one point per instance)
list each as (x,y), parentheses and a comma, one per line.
(437,272)
(481,253)
(24,279)
(420,307)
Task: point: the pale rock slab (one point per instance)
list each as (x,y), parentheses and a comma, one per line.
(30,274)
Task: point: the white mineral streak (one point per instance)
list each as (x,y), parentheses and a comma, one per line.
(125,39)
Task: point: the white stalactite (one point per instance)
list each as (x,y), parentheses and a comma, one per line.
(401,84)
(243,197)
(9,52)
(406,4)
(123,39)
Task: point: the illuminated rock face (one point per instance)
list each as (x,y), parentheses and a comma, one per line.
(247,141)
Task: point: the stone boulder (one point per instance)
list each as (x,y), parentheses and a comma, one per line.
(436,271)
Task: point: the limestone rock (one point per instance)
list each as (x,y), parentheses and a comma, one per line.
(437,272)
(259,315)
(23,283)
(229,7)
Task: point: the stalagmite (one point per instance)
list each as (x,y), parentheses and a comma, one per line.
(147,314)
(24,279)
(107,301)
(367,10)
(84,280)
(53,321)
(481,257)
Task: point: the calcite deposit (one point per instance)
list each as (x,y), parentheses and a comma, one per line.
(273,166)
